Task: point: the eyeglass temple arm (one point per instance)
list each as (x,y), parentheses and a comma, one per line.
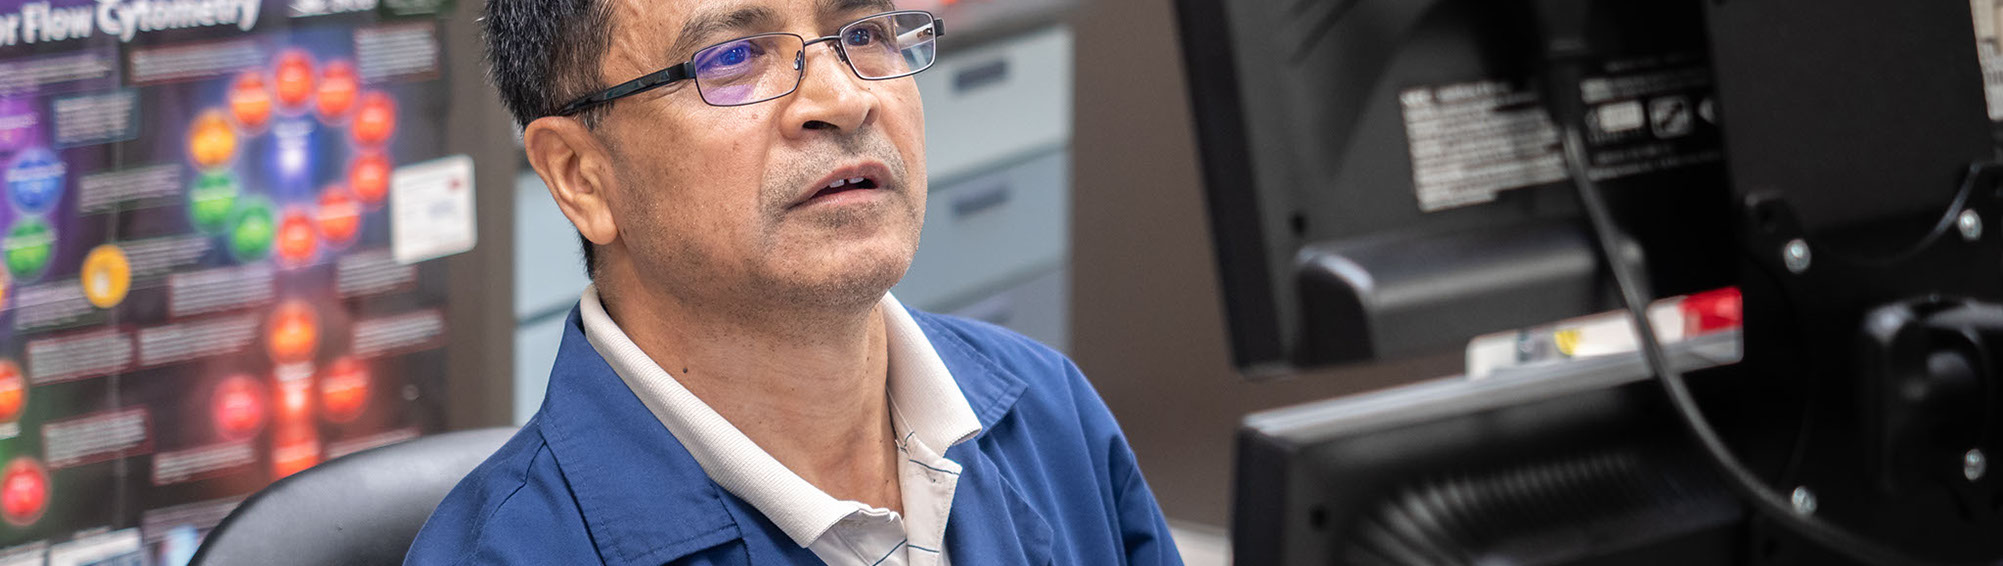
(938,28)
(644,83)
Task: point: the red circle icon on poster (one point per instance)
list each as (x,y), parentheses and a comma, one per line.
(375,120)
(344,390)
(292,332)
(13,391)
(237,407)
(368,176)
(24,491)
(338,87)
(296,240)
(250,100)
(295,77)
(340,215)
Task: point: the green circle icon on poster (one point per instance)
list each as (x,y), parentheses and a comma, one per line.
(212,199)
(28,248)
(250,239)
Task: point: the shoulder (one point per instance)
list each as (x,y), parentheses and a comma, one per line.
(1037,365)
(515,508)
(1053,389)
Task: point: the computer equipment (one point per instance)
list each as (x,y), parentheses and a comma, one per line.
(1393,178)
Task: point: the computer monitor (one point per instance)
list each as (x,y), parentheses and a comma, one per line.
(1385,179)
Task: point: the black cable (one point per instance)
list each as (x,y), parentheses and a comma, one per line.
(1566,50)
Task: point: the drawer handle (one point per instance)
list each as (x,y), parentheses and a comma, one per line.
(975,202)
(977,76)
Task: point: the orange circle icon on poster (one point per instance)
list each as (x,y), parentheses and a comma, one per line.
(344,390)
(368,176)
(338,87)
(13,391)
(295,78)
(296,240)
(375,120)
(211,142)
(340,215)
(295,448)
(24,491)
(250,100)
(292,332)
(107,276)
(237,407)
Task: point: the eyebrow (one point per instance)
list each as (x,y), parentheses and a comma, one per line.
(706,24)
(831,7)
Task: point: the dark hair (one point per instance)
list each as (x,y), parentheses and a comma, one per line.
(541,54)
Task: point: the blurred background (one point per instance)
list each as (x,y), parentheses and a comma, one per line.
(245,237)
(211,284)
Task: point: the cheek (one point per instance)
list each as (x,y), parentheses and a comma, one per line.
(720,180)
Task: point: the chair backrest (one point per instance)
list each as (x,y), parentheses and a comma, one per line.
(363,508)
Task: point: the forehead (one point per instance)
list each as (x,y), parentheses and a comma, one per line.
(670,18)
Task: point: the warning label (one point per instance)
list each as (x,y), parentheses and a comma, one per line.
(1471,141)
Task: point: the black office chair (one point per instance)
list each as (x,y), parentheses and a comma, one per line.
(363,508)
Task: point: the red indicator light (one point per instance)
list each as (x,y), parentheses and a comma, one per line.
(1713,311)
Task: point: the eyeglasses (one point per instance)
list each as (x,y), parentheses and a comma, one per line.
(757,68)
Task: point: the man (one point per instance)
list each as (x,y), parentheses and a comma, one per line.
(738,387)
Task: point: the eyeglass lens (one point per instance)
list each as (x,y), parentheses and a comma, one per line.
(764,67)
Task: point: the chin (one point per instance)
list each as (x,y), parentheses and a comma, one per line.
(852,275)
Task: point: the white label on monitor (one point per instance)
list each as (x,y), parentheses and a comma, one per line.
(431,209)
(1988,24)
(1471,141)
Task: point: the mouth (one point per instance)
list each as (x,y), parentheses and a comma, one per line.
(846,183)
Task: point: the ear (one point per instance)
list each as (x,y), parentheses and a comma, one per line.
(578,170)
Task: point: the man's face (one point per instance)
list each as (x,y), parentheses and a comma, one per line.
(732,204)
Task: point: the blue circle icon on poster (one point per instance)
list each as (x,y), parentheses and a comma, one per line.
(35,180)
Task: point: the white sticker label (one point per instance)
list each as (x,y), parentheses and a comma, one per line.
(115,547)
(431,209)
(1470,141)
(1988,24)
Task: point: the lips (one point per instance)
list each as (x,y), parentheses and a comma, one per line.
(865,176)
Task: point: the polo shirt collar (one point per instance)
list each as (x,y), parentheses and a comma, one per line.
(921,389)
(647,502)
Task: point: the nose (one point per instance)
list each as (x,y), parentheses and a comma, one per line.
(831,96)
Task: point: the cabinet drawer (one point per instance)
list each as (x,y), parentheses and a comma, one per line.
(996,102)
(990,231)
(1037,308)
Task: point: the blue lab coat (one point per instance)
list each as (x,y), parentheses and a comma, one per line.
(594,476)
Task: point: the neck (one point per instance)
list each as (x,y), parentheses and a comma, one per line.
(809,388)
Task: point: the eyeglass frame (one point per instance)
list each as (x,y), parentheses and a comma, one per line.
(686,70)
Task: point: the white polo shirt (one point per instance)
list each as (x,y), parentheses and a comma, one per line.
(928,415)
